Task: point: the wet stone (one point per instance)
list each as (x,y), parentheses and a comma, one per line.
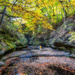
(2,63)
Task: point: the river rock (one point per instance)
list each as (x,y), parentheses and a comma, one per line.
(2,52)
(72,55)
(13,54)
(2,63)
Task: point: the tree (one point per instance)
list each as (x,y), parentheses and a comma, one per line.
(37,12)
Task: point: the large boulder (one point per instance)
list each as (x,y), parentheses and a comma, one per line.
(62,38)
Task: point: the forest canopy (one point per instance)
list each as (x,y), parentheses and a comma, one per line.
(36,13)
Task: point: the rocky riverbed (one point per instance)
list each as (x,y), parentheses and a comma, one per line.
(44,61)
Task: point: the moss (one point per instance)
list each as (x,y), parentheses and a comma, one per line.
(1,47)
(62,48)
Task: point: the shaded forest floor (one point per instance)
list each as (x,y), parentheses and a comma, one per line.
(38,62)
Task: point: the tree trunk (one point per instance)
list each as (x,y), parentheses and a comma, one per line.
(3,14)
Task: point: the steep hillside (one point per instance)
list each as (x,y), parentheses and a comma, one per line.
(9,40)
(63,37)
